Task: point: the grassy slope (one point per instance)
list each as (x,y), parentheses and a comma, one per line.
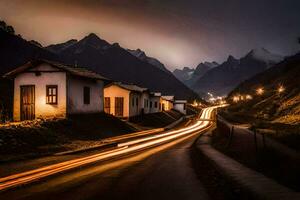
(46,136)
(278,112)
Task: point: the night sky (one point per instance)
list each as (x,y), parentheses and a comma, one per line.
(177,32)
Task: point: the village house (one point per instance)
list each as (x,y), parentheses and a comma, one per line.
(167,103)
(155,98)
(125,100)
(45,89)
(180,105)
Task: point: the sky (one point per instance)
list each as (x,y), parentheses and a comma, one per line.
(179,33)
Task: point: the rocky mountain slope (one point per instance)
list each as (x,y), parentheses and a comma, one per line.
(222,79)
(189,76)
(153,61)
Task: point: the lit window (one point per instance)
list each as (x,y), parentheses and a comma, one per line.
(51,94)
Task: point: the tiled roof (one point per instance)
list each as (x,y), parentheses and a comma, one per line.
(130,87)
(76,71)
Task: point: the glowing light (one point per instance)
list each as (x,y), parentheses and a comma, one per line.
(280,89)
(260,91)
(248,97)
(236,98)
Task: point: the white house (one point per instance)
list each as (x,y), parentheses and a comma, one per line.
(180,105)
(48,89)
(125,100)
(155,105)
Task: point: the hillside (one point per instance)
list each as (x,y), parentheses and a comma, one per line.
(274,106)
(225,77)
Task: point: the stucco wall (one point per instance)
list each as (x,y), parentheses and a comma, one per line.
(180,107)
(42,110)
(133,108)
(75,95)
(115,91)
(145,96)
(154,99)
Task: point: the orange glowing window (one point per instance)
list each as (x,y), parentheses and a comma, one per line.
(51,94)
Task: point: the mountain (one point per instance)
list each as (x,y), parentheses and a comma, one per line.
(222,79)
(189,76)
(118,64)
(15,51)
(273,106)
(184,74)
(153,61)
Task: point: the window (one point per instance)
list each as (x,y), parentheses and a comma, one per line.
(132,102)
(150,104)
(137,102)
(155,104)
(107,105)
(145,103)
(51,94)
(184,106)
(86,95)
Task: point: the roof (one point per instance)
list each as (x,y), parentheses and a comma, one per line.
(180,101)
(130,87)
(76,71)
(155,94)
(168,98)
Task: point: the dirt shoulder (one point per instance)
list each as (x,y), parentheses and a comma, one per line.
(262,158)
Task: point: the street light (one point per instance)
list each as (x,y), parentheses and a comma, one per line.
(280,89)
(260,91)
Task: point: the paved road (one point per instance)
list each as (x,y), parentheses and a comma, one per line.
(164,172)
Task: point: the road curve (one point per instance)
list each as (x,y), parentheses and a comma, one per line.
(164,156)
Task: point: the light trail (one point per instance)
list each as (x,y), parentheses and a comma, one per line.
(122,149)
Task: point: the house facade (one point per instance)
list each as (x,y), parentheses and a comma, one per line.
(125,100)
(44,89)
(167,103)
(180,105)
(155,105)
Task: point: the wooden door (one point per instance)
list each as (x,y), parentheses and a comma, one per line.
(107,105)
(27,102)
(119,106)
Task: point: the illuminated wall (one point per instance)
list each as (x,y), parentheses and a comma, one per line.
(167,105)
(42,110)
(116,91)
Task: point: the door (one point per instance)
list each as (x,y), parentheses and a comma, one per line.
(107,105)
(27,102)
(119,106)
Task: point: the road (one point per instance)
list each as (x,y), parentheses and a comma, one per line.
(154,167)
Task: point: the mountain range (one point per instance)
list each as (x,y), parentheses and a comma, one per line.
(221,79)
(189,75)
(110,60)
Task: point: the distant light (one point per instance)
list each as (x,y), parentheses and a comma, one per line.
(260,91)
(248,97)
(236,98)
(280,89)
